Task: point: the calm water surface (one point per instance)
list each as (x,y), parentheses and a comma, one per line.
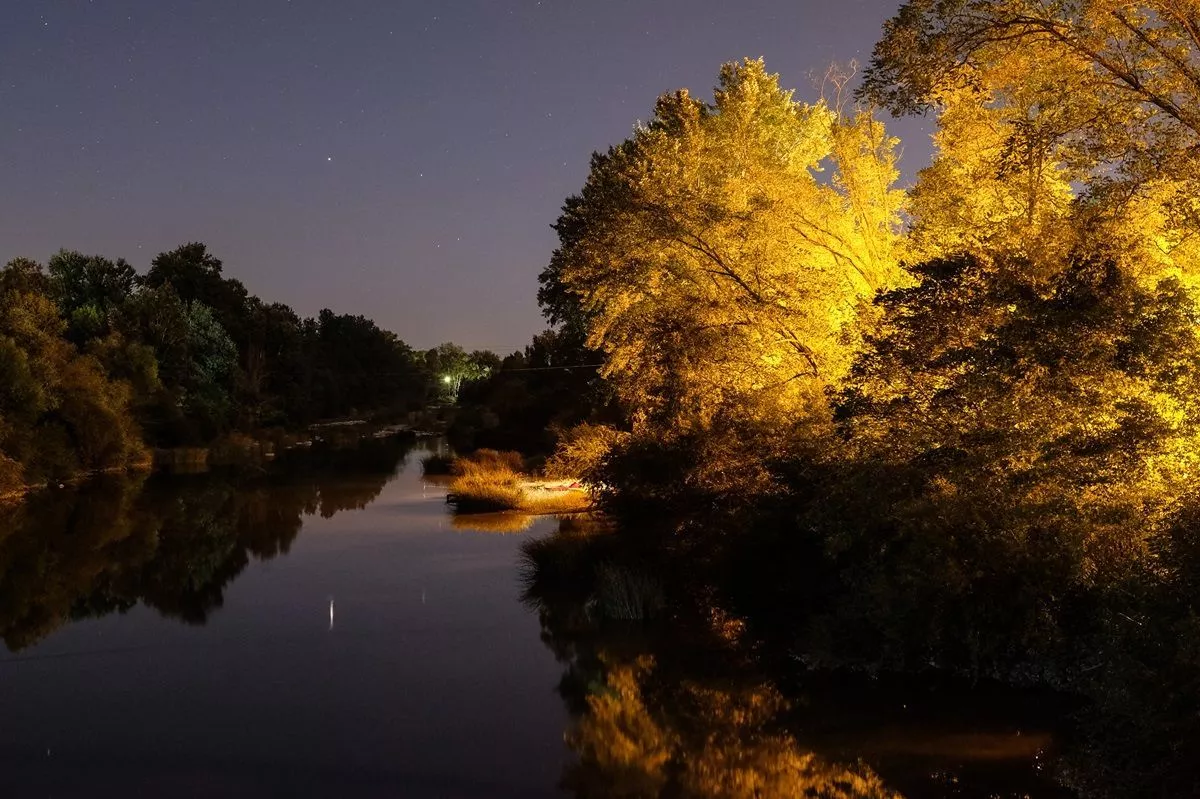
(380,652)
(325,628)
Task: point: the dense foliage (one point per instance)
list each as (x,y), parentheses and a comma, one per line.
(1080,108)
(718,269)
(530,400)
(99,364)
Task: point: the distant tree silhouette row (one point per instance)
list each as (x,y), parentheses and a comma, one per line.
(98,363)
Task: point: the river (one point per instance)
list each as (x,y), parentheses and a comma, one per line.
(324,627)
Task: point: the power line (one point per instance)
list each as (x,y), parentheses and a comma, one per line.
(549,368)
(508,371)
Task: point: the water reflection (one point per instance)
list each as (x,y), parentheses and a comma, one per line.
(663,699)
(174,544)
(665,703)
(655,725)
(506,522)
(642,736)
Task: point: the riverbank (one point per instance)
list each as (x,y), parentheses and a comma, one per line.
(16,495)
(231,451)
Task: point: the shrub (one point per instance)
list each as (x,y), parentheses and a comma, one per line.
(435,465)
(582,449)
(485,492)
(11,477)
(627,593)
(489,481)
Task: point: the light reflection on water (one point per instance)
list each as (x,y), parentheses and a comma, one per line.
(330,630)
(432,681)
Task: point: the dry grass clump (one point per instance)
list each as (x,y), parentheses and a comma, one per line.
(543,500)
(493,481)
(487,480)
(489,463)
(480,493)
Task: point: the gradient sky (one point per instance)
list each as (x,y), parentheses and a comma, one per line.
(400,160)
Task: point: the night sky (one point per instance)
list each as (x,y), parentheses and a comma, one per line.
(400,160)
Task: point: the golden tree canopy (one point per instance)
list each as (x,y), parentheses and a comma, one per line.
(721,254)
(1099,95)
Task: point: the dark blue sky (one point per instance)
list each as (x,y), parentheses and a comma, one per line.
(401,160)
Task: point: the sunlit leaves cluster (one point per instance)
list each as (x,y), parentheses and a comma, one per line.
(717,263)
(1036,99)
(1075,411)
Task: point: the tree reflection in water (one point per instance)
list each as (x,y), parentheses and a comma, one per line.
(665,704)
(641,738)
(650,719)
(172,544)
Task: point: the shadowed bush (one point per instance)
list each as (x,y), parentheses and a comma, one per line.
(626,593)
(437,465)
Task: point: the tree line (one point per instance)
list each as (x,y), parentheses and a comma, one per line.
(99,364)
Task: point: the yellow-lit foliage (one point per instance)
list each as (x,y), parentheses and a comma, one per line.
(581,449)
(985,193)
(1027,412)
(1156,231)
(722,253)
(717,743)
(1036,97)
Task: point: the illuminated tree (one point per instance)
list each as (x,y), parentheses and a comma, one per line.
(986,192)
(716,265)
(1103,94)
(449,365)
(1026,416)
